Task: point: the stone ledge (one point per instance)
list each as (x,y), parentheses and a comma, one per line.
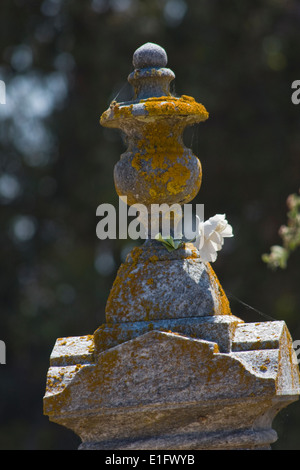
(73,350)
(262,335)
(219,329)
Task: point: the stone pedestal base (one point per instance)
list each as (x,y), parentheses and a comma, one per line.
(151,388)
(217,425)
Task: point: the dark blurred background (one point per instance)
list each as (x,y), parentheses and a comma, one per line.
(63,61)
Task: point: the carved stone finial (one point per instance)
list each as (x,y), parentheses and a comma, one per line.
(150,77)
(156,168)
(149,55)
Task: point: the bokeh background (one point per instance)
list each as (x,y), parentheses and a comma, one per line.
(63,61)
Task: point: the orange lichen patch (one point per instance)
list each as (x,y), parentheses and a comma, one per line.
(115,111)
(164,170)
(192,249)
(160,161)
(125,284)
(152,192)
(164,105)
(169,105)
(137,161)
(73,350)
(153,259)
(58,377)
(136,253)
(223,307)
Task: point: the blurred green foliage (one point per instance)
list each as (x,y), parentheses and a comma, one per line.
(63,61)
(290,235)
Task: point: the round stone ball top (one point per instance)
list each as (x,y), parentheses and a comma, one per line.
(149,55)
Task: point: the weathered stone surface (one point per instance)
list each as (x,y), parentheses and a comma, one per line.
(164,390)
(149,55)
(145,285)
(217,328)
(183,383)
(78,349)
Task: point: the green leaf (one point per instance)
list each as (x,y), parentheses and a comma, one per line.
(178,244)
(169,243)
(169,247)
(159,237)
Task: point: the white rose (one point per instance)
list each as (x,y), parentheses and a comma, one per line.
(210,236)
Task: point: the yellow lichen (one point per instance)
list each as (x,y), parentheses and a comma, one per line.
(223,307)
(165,170)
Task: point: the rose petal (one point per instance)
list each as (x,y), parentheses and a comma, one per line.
(209,228)
(227,232)
(216,238)
(199,242)
(208,252)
